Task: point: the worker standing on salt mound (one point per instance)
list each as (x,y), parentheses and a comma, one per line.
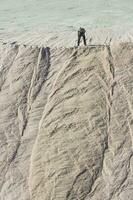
(81,34)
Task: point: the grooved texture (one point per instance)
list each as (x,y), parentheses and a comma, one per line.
(66,123)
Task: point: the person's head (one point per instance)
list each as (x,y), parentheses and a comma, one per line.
(81,28)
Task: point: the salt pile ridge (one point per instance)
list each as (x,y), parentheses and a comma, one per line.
(66,122)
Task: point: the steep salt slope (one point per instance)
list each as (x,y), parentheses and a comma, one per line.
(66,122)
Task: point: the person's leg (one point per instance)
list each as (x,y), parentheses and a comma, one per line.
(84,39)
(79,37)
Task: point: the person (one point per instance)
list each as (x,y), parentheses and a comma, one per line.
(81,34)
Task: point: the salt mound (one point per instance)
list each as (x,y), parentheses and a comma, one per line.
(66,122)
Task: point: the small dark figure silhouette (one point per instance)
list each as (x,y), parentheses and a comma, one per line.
(81,34)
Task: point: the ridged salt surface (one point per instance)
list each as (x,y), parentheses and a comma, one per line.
(66,123)
(68,38)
